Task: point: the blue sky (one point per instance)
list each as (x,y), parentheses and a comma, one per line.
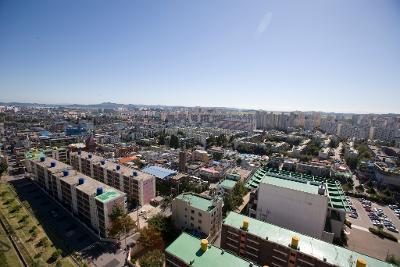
(328,55)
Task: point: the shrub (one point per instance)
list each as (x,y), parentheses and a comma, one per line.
(153,258)
(383,234)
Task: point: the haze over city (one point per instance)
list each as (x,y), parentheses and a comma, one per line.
(333,56)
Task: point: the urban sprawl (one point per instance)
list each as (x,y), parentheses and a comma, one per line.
(124,185)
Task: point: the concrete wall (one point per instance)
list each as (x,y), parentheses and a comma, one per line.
(295,210)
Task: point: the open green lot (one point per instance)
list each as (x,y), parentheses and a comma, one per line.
(32,241)
(8,255)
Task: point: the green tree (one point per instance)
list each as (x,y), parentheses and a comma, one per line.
(165,226)
(153,258)
(121,223)
(151,238)
(235,198)
(174,141)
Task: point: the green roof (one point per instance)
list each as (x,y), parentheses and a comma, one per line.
(301,182)
(228,183)
(187,249)
(197,201)
(34,154)
(107,196)
(294,185)
(319,249)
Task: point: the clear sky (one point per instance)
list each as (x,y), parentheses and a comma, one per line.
(328,55)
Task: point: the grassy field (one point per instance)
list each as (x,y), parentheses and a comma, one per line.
(8,255)
(34,244)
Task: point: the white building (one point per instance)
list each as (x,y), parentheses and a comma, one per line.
(300,203)
(198,214)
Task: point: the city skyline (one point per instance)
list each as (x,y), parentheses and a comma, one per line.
(328,56)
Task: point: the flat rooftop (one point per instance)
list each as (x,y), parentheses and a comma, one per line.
(335,255)
(187,249)
(160,172)
(59,167)
(305,187)
(228,184)
(109,194)
(300,182)
(197,201)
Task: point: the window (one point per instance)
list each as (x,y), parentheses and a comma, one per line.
(199,221)
(200,214)
(192,211)
(192,218)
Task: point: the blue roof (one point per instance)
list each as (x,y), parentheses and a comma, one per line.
(159,172)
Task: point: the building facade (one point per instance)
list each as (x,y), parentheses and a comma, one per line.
(197,214)
(89,200)
(140,187)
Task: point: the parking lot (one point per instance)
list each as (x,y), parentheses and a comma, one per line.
(364,221)
(65,231)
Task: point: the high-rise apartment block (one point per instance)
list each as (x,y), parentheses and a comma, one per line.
(140,187)
(90,200)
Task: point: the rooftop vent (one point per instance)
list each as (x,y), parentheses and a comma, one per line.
(65,173)
(204,245)
(135,173)
(90,156)
(245,225)
(361,263)
(42,159)
(81,181)
(79,152)
(295,242)
(321,190)
(52,164)
(118,167)
(103,162)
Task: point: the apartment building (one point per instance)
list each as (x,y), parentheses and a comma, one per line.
(140,187)
(198,214)
(89,200)
(270,245)
(189,251)
(303,203)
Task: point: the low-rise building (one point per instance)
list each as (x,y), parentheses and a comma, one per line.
(189,251)
(307,204)
(197,214)
(270,245)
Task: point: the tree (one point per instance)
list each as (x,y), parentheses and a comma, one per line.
(235,198)
(153,258)
(150,238)
(165,226)
(174,141)
(3,167)
(121,223)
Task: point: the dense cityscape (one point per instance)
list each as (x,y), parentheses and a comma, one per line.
(115,185)
(177,133)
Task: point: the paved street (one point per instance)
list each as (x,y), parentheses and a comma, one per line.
(372,245)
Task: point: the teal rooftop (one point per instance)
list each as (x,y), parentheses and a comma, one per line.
(300,182)
(197,201)
(228,184)
(107,196)
(334,255)
(187,249)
